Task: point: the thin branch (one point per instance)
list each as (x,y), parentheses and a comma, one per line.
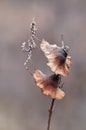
(50,113)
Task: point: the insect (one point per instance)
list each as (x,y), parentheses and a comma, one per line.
(58,59)
(49,85)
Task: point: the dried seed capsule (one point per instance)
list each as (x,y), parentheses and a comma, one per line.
(48,84)
(58,59)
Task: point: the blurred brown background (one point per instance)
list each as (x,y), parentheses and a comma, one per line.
(22,106)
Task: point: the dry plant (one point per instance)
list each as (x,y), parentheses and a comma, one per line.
(59,62)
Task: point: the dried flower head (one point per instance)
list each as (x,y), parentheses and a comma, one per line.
(58,59)
(49,84)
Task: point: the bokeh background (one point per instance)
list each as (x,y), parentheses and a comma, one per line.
(22,106)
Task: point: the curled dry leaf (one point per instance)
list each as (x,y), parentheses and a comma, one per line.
(58,59)
(48,84)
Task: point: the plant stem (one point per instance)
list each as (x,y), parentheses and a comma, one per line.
(50,113)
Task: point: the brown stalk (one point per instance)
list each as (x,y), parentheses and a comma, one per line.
(50,113)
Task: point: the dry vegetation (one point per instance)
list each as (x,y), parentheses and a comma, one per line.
(22,106)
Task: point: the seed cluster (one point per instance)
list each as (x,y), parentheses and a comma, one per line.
(30,44)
